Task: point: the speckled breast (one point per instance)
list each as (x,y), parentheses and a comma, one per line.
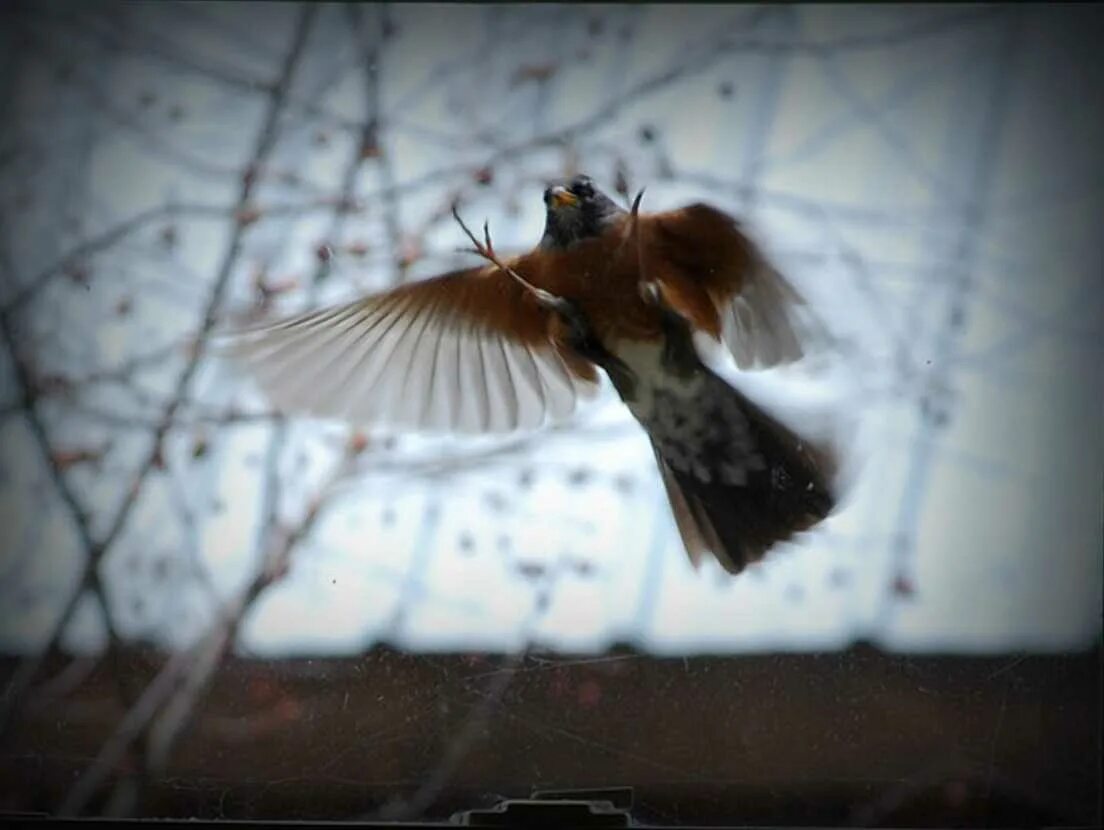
(696,422)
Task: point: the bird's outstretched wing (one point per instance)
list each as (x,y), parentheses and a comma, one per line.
(466,351)
(731,290)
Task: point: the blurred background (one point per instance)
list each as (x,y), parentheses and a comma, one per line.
(930,176)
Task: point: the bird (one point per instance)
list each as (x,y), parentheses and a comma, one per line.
(519,341)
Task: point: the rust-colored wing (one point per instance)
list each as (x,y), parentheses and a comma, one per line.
(719,278)
(466,351)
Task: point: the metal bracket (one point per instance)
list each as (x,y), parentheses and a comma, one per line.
(556,808)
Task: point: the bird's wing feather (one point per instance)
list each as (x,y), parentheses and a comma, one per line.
(466,351)
(734,291)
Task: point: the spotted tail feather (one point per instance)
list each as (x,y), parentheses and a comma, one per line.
(746,484)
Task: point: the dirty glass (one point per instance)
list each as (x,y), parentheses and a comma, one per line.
(213,609)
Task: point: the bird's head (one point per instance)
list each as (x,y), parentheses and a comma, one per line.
(577,210)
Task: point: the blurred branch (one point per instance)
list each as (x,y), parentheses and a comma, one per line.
(910,33)
(371,46)
(65,681)
(191,542)
(459,745)
(122,372)
(709,54)
(97,549)
(443,466)
(936,401)
(153,140)
(704,59)
(133,725)
(150,43)
(244,211)
(102,242)
(28,669)
(186,419)
(475,726)
(179,710)
(170,700)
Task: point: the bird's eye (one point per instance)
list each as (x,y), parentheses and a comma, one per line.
(582,187)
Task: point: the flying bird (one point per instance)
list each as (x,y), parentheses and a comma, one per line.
(517,341)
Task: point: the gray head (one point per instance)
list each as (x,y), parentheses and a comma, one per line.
(576,210)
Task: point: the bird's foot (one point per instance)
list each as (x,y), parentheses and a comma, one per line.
(650,293)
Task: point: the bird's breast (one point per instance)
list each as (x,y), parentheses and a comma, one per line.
(644,358)
(696,422)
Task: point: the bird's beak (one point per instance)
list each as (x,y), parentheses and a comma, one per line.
(559,197)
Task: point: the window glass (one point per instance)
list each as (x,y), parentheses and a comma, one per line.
(216,609)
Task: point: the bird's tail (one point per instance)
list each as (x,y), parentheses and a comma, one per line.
(755,484)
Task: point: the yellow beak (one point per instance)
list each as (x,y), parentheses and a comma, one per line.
(562,197)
